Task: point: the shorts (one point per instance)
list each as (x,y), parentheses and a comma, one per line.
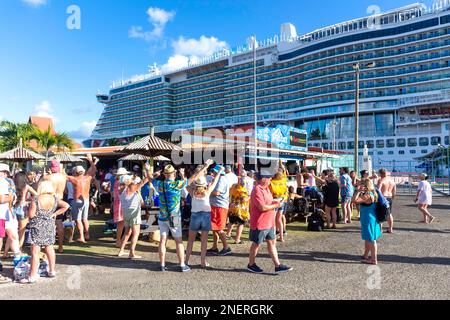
(260,236)
(80,209)
(200,221)
(390,205)
(165,228)
(346,199)
(219,218)
(236,220)
(282,209)
(105,199)
(21,212)
(12,225)
(130,221)
(2,228)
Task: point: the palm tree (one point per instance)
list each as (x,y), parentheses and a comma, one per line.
(63,141)
(11,133)
(47,140)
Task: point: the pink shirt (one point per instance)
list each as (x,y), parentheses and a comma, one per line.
(261,220)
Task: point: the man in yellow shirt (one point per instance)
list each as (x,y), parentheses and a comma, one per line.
(279,189)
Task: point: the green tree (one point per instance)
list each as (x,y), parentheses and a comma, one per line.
(47,139)
(11,133)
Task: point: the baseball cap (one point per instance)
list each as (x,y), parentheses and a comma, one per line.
(55,167)
(136,168)
(79,169)
(228,167)
(264,174)
(217,168)
(4,167)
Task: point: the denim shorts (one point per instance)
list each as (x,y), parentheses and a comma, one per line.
(21,212)
(200,221)
(260,236)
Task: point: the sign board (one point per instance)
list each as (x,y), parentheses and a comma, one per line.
(284,137)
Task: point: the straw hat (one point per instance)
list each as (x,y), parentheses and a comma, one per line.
(201,182)
(169,169)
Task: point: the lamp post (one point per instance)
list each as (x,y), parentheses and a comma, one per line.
(255,109)
(334,124)
(357,67)
(448,162)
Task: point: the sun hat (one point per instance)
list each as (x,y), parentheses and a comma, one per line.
(4,167)
(201,182)
(121,172)
(169,169)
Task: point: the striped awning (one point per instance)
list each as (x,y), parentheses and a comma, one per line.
(150,146)
(21,154)
(67,158)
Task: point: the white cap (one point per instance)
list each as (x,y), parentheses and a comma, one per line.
(4,167)
(121,172)
(79,169)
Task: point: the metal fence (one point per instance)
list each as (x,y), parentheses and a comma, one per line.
(406,175)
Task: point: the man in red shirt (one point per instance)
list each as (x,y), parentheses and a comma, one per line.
(262,224)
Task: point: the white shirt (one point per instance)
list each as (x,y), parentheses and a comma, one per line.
(249,184)
(4,190)
(201,204)
(232,178)
(426,193)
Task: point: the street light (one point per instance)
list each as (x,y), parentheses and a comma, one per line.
(255,109)
(448,162)
(357,67)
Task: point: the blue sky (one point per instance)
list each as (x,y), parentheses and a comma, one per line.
(48,69)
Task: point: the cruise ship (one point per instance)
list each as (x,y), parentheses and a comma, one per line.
(308,82)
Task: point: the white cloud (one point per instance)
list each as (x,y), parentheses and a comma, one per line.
(192,50)
(158,18)
(202,47)
(44,109)
(35,3)
(85,130)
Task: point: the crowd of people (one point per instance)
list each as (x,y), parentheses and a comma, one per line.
(217,198)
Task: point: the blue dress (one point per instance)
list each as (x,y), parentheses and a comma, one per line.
(370,228)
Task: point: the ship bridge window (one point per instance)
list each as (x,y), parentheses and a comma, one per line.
(424,151)
(370,144)
(391,153)
(401,152)
(447,140)
(412,142)
(380,144)
(350,145)
(401,143)
(435,141)
(424,142)
(412,151)
(342,145)
(361,145)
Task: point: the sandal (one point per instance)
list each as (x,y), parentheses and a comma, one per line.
(28,280)
(4,280)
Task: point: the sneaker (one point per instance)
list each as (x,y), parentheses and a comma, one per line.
(212,251)
(164,269)
(185,268)
(254,269)
(225,252)
(282,268)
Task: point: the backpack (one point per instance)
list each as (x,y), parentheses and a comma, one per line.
(315,222)
(22,269)
(383,208)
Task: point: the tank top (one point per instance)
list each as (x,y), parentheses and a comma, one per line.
(201,204)
(132,201)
